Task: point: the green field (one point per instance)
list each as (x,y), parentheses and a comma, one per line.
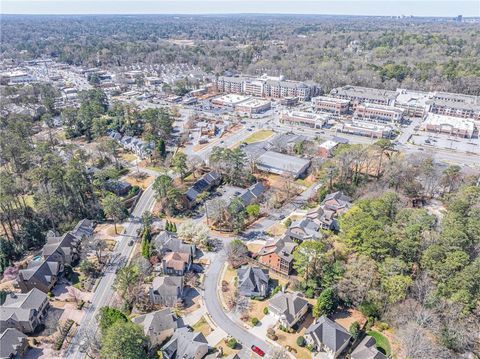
(258,136)
(382,342)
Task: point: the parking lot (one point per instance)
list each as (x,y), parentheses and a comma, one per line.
(444,141)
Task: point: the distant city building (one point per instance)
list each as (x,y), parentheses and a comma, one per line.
(307,119)
(338,106)
(456,126)
(16,77)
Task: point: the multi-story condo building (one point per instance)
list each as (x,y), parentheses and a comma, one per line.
(378,113)
(413,102)
(337,106)
(266,86)
(358,95)
(457,105)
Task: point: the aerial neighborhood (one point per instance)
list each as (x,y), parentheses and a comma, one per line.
(195,197)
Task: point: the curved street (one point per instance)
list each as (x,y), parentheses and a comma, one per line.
(215,308)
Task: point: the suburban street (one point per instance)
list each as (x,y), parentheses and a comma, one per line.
(104,292)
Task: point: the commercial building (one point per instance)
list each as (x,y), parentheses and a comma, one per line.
(457,105)
(230,100)
(456,126)
(280,164)
(378,113)
(358,95)
(307,119)
(17,77)
(253,106)
(326,148)
(334,105)
(368,129)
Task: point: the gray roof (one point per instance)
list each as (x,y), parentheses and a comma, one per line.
(252,193)
(43,270)
(168,242)
(275,161)
(184,344)
(204,183)
(251,279)
(63,245)
(83,228)
(367,350)
(309,227)
(330,334)
(19,306)
(354,92)
(283,246)
(167,285)
(343,200)
(288,304)
(10,341)
(156,322)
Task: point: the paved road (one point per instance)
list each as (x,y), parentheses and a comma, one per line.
(104,291)
(215,309)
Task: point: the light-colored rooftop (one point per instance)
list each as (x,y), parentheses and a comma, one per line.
(232,99)
(455,122)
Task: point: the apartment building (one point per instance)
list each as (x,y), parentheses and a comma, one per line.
(266,86)
(378,113)
(358,95)
(451,125)
(334,105)
(457,105)
(305,119)
(413,102)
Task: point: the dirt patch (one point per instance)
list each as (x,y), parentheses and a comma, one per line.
(140,179)
(347,316)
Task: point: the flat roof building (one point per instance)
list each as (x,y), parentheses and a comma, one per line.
(368,129)
(358,94)
(230,100)
(378,113)
(253,106)
(331,104)
(280,164)
(456,126)
(413,102)
(307,119)
(457,105)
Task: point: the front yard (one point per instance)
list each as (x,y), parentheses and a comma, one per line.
(289,340)
(202,327)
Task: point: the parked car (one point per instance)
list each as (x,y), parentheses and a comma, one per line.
(258,351)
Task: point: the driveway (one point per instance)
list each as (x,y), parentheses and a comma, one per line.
(260,330)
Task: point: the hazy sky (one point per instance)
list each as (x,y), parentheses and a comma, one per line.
(339,7)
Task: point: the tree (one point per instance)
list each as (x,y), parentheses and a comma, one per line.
(162,185)
(114,208)
(109,316)
(161,148)
(237,253)
(309,258)
(194,232)
(354,329)
(126,279)
(124,340)
(179,164)
(326,303)
(253,210)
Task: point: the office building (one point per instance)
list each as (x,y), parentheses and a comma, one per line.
(334,105)
(378,113)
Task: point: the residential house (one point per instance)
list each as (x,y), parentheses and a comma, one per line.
(176,263)
(41,274)
(23,311)
(206,183)
(13,344)
(167,291)
(64,249)
(253,282)
(304,229)
(278,255)
(120,188)
(289,308)
(252,194)
(185,344)
(338,202)
(167,242)
(324,217)
(157,326)
(84,228)
(367,350)
(327,336)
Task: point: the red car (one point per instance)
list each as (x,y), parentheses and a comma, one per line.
(257,350)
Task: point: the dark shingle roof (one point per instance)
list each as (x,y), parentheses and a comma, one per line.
(184,344)
(10,341)
(327,332)
(288,304)
(156,322)
(252,280)
(367,350)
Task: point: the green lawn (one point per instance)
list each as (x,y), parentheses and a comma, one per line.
(382,342)
(258,136)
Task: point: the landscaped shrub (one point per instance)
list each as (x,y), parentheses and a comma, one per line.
(265,310)
(232,343)
(382,326)
(275,290)
(309,347)
(300,341)
(370,323)
(309,293)
(255,321)
(354,329)
(63,332)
